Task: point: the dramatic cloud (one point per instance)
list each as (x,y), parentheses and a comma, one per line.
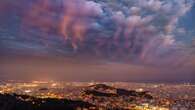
(143,31)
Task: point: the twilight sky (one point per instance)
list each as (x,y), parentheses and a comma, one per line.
(104,40)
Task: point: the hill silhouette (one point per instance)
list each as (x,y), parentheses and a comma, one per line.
(24,102)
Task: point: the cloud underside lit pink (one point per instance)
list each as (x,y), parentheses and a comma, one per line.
(138,30)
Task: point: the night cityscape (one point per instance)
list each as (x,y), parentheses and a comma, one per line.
(104,95)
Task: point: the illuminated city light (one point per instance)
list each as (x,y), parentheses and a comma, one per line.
(54,85)
(140,90)
(29,85)
(27,91)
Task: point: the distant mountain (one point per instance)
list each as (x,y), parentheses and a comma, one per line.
(108,91)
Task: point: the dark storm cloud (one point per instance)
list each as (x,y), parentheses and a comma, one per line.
(141,30)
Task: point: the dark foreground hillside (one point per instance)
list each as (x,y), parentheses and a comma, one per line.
(23,102)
